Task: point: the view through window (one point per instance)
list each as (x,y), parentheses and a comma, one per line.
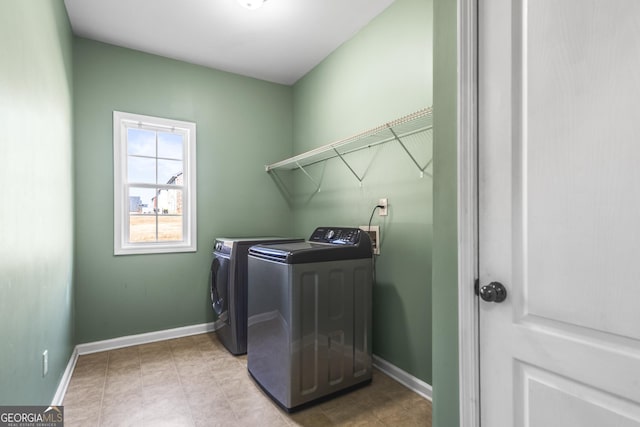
(156,172)
(155,175)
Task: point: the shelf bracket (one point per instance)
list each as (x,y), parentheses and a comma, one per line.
(309,176)
(420,168)
(349,167)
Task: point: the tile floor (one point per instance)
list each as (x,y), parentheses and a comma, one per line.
(195,381)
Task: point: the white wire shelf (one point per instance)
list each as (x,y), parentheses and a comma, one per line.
(396,130)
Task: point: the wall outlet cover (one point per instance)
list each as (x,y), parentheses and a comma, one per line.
(384,209)
(45,363)
(374,234)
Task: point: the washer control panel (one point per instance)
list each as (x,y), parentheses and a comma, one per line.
(222,246)
(336,235)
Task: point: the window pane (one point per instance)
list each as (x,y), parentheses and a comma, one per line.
(170,172)
(170,145)
(169,202)
(141,142)
(169,228)
(142,200)
(142,228)
(142,218)
(141,169)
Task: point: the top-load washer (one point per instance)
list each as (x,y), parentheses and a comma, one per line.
(309,307)
(229,288)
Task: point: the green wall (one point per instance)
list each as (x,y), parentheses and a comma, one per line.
(445,253)
(36,216)
(241,123)
(382,73)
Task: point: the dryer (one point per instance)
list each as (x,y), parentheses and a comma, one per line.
(309,308)
(228,288)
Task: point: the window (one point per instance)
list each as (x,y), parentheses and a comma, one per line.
(154,184)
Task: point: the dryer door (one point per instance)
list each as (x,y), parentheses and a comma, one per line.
(220,287)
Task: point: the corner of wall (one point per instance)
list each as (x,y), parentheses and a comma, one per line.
(445,284)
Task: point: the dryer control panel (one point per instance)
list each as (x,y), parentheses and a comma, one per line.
(336,235)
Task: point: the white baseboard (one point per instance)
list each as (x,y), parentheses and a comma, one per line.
(66,378)
(149,337)
(422,388)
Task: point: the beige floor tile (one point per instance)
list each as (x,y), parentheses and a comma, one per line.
(153,347)
(90,369)
(121,418)
(160,377)
(409,421)
(198,386)
(209,347)
(124,397)
(193,368)
(311,417)
(124,375)
(171,391)
(195,381)
(81,422)
(188,358)
(170,420)
(87,381)
(206,397)
(388,411)
(344,414)
(92,359)
(123,365)
(264,417)
(147,367)
(243,405)
(211,408)
(213,352)
(173,410)
(217,420)
(182,343)
(367,421)
(239,386)
(77,414)
(83,396)
(123,354)
(226,366)
(132,404)
(216,412)
(159,356)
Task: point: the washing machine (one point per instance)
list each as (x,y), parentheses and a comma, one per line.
(309,316)
(228,288)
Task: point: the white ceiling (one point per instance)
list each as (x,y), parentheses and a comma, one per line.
(280,42)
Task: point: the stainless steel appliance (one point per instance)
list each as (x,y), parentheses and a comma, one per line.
(309,331)
(229,288)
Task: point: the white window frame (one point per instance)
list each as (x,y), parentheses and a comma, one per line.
(121,122)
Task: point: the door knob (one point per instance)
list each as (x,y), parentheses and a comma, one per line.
(493,292)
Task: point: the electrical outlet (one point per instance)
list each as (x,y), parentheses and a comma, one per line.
(383,209)
(45,363)
(374,234)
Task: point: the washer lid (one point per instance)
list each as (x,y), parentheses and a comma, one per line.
(325,244)
(226,245)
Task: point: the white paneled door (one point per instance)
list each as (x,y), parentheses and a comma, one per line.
(559,212)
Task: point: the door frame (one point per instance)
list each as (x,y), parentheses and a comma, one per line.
(467,198)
